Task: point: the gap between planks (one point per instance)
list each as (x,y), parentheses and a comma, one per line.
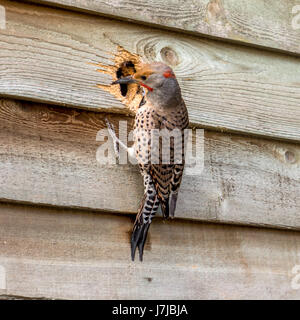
(48,156)
(226,87)
(67,254)
(221,20)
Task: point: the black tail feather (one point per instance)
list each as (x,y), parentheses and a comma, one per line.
(173,204)
(165,208)
(138,239)
(142,223)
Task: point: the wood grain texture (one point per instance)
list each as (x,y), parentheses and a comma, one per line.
(44,54)
(52,253)
(48,156)
(256,22)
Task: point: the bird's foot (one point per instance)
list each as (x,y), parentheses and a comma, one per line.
(112,133)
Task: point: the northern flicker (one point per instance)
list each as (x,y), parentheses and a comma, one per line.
(162,109)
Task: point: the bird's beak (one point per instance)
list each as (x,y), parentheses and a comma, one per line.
(125,80)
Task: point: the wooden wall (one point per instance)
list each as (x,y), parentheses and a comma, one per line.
(64,253)
(65,220)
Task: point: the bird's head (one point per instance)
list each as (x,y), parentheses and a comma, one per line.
(158,78)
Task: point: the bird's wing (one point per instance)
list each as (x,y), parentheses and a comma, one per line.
(178,119)
(160,180)
(166,177)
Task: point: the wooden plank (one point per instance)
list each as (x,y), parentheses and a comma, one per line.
(51,253)
(227,87)
(230,20)
(48,156)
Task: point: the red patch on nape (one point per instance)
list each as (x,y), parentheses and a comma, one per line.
(147,87)
(169,74)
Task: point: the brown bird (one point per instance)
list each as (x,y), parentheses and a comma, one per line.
(162,110)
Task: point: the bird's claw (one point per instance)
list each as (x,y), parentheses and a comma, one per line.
(112,133)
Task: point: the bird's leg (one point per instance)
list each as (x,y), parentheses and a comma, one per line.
(116,141)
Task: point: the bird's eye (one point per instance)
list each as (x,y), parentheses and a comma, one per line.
(143,77)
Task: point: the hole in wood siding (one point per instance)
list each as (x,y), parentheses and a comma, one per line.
(127,68)
(125,64)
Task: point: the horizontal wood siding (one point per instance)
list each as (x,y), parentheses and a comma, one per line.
(56,253)
(66,218)
(48,156)
(255,22)
(44,54)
